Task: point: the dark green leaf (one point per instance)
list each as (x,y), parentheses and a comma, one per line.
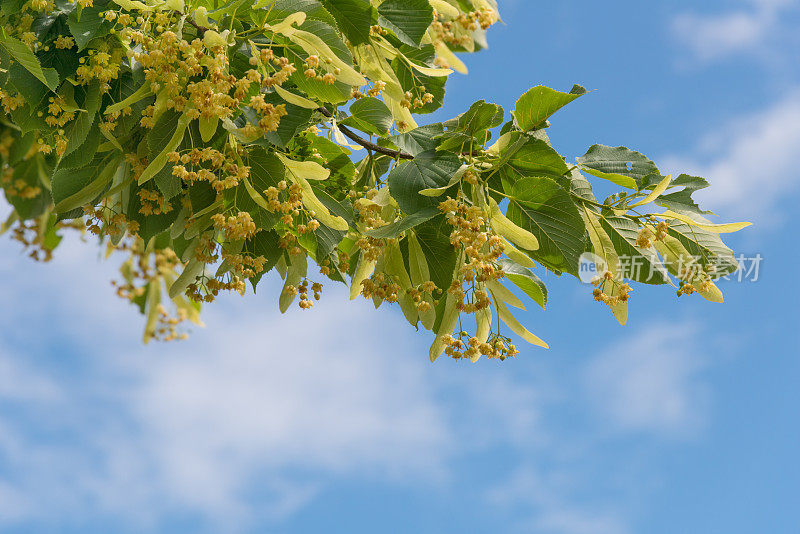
(370,115)
(545,209)
(408,19)
(354,18)
(429,170)
(619,160)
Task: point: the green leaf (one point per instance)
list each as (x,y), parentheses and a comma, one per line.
(408,19)
(682,201)
(29,61)
(85,24)
(354,18)
(78,130)
(370,115)
(618,165)
(32,172)
(706,246)
(428,170)
(418,140)
(480,116)
(524,279)
(263,243)
(434,239)
(539,103)
(190,272)
(396,228)
(77,188)
(545,209)
(160,161)
(537,158)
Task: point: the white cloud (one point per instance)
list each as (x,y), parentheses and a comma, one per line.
(750,161)
(650,382)
(256,415)
(544,507)
(747,30)
(256,404)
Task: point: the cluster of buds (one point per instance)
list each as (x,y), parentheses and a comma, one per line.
(244,265)
(647,235)
(168,326)
(101,220)
(152,202)
(498,347)
(692,278)
(410,101)
(29,234)
(620,293)
(209,289)
(18,187)
(381,287)
(423,296)
(220,170)
(236,227)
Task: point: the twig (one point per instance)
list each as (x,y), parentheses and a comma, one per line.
(364,143)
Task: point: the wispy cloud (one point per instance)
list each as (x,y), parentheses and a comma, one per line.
(650,382)
(257,404)
(750,161)
(753,28)
(543,505)
(249,421)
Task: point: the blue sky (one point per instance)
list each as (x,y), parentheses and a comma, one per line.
(686,420)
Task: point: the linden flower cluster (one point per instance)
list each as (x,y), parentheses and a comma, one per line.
(305,303)
(235,227)
(481,248)
(167,326)
(423,295)
(692,274)
(458,32)
(369,214)
(209,288)
(273,70)
(101,64)
(19,187)
(11,102)
(192,75)
(208,164)
(498,347)
(104,221)
(647,235)
(30,236)
(409,101)
(139,271)
(621,291)
(286,200)
(382,287)
(246,266)
(374,91)
(152,202)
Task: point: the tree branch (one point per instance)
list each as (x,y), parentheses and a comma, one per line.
(363,142)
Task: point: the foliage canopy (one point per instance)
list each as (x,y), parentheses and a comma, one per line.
(215,141)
